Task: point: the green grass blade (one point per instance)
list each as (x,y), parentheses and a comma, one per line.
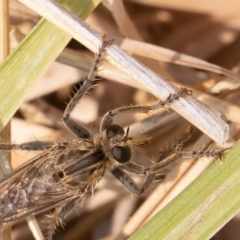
(22,69)
(203,207)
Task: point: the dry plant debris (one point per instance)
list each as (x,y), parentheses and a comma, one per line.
(203,34)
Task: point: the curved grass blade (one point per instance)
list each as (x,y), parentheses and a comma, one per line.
(203,207)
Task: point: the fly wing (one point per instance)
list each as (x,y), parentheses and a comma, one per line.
(31,189)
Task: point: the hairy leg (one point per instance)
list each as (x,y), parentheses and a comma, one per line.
(75,127)
(110,115)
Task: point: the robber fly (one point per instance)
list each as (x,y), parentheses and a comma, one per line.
(66,172)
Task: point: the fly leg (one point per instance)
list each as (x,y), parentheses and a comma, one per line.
(30,146)
(152,172)
(176,146)
(128,182)
(166,157)
(55,219)
(173,149)
(75,127)
(109,116)
(186,155)
(152,176)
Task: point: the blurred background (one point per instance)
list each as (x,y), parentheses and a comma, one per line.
(208,30)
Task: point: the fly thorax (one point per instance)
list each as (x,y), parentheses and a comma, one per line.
(74,168)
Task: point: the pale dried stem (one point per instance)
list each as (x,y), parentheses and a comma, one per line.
(122,19)
(227,109)
(5,134)
(128,30)
(166,55)
(4,51)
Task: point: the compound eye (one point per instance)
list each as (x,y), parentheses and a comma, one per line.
(121,154)
(113,130)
